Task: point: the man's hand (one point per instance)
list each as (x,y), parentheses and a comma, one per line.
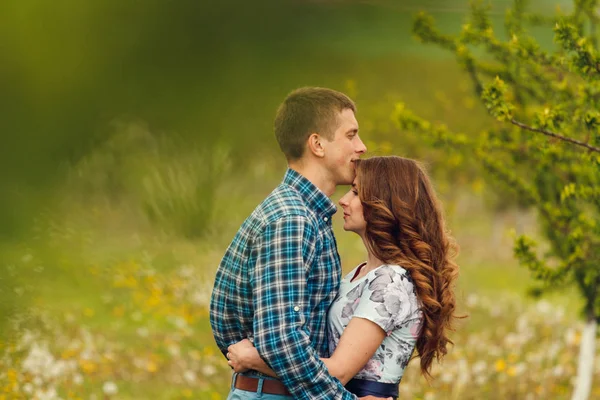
(242,356)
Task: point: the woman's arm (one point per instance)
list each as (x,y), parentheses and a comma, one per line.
(358,343)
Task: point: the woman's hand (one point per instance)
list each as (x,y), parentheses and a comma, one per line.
(242,356)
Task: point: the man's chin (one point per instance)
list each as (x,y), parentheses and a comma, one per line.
(347,180)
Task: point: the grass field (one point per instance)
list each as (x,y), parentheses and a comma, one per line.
(110,309)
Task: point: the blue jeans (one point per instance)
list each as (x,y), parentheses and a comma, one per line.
(239,394)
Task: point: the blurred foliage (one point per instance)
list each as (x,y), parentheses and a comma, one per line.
(555,91)
(544,145)
(170,184)
(212,71)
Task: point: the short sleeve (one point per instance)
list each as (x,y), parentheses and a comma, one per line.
(385,300)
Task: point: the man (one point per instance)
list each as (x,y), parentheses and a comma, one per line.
(282,270)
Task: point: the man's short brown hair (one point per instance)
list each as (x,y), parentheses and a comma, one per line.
(305,111)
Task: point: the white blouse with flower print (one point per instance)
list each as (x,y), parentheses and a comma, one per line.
(387,297)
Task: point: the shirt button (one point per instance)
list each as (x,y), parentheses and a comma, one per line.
(325,219)
(296,308)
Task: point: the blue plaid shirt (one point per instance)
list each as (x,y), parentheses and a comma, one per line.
(275,284)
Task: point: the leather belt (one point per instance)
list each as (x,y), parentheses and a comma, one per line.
(270,386)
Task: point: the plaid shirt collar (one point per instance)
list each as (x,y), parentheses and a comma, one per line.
(316,199)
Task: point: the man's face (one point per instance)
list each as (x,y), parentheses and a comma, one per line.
(344,149)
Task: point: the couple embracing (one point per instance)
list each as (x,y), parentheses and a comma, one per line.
(290,325)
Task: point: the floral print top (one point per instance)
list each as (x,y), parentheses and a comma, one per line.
(387,297)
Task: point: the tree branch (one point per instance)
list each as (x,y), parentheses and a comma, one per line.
(555,135)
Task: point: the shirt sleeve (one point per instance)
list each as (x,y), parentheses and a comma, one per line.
(281,309)
(385,300)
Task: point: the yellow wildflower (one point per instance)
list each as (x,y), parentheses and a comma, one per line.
(500,365)
(152,366)
(118,311)
(87,366)
(88,312)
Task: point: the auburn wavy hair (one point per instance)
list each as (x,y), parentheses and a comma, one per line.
(405,226)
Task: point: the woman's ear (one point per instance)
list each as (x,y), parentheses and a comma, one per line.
(315,145)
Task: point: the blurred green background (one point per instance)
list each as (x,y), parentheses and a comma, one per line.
(137,136)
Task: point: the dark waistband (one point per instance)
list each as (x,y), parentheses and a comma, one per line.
(361,388)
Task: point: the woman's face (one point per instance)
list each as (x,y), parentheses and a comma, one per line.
(354,220)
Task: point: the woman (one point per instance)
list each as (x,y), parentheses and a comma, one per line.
(402,297)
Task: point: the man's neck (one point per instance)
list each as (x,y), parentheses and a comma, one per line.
(315,174)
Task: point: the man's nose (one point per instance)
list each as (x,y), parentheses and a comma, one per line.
(361,148)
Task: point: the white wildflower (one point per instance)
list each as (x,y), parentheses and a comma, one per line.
(27,338)
(571,336)
(143,332)
(174,350)
(520,368)
(189,376)
(543,307)
(48,394)
(179,322)
(472,300)
(558,370)
(479,367)
(77,379)
(38,360)
(559,314)
(186,271)
(553,350)
(447,377)
(200,297)
(208,370)
(496,311)
(523,324)
(136,316)
(110,388)
(28,388)
(69,317)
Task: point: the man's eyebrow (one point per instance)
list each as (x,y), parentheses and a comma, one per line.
(353,130)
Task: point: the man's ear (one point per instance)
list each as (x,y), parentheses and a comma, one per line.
(315,145)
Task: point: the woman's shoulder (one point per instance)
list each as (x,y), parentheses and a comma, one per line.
(391,270)
(391,274)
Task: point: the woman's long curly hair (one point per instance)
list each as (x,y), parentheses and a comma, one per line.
(405,226)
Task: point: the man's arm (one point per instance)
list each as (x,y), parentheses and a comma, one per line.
(281,309)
